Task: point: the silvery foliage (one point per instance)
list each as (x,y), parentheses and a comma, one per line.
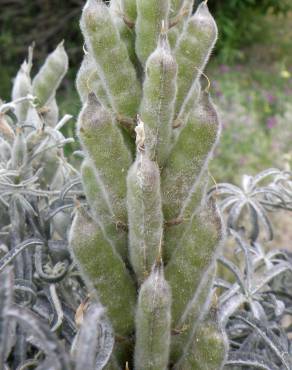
(255,305)
(40,287)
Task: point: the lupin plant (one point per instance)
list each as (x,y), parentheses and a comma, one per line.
(147,241)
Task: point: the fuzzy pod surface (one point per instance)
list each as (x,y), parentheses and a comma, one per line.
(114,67)
(175,228)
(153,321)
(49,77)
(19,150)
(129,8)
(145,215)
(193,50)
(105,271)
(101,208)
(125,25)
(157,106)
(189,156)
(150,17)
(103,142)
(21,88)
(194,313)
(207,349)
(88,81)
(191,259)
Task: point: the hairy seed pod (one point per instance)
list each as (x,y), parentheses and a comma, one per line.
(194,314)
(145,215)
(88,81)
(21,88)
(189,104)
(129,9)
(125,26)
(181,11)
(189,156)
(193,51)
(105,271)
(51,113)
(153,321)
(19,150)
(6,131)
(50,75)
(150,17)
(103,142)
(157,106)
(175,6)
(191,259)
(207,349)
(115,68)
(101,208)
(33,119)
(5,150)
(176,228)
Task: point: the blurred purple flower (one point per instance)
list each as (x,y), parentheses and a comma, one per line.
(218,93)
(271,98)
(238,67)
(271,122)
(242,161)
(224,68)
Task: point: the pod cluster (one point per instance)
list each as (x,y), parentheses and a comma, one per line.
(147,241)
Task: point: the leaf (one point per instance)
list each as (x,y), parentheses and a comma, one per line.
(45,339)
(251,360)
(269,338)
(6,292)
(18,249)
(263,218)
(94,342)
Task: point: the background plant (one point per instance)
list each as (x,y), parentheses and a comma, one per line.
(40,296)
(255,303)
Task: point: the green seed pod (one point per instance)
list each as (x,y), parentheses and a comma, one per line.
(88,81)
(207,349)
(105,271)
(21,88)
(189,156)
(150,17)
(50,75)
(125,26)
(19,150)
(145,215)
(33,119)
(103,142)
(190,260)
(115,68)
(189,104)
(157,107)
(5,150)
(181,11)
(6,131)
(51,113)
(176,228)
(175,6)
(193,50)
(100,207)
(129,9)
(194,314)
(153,321)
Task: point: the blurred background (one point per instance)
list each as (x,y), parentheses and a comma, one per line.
(250,72)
